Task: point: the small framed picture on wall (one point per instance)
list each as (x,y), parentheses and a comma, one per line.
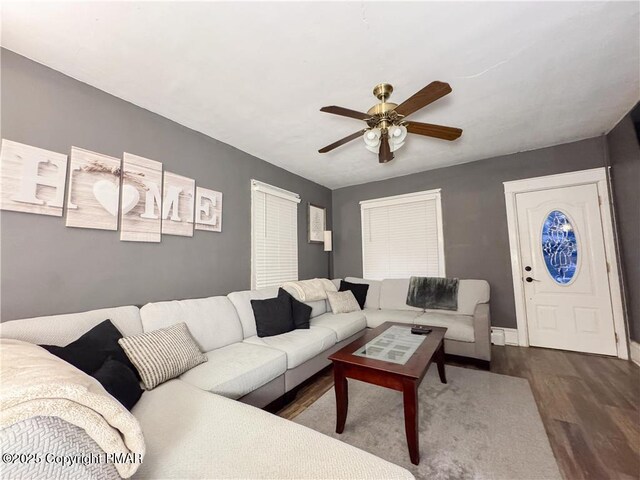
(317,223)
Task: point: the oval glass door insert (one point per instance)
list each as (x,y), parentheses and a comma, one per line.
(559,247)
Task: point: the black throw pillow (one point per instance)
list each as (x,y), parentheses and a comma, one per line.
(359,291)
(300,312)
(273,316)
(92,349)
(120,381)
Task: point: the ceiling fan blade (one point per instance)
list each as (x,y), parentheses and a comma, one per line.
(437,131)
(424,97)
(385,154)
(345,112)
(342,141)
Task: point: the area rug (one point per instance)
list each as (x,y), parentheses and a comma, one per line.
(480,425)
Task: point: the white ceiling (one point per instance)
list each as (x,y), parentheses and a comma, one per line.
(254,75)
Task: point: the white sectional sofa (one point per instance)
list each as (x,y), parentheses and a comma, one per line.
(192,426)
(241,365)
(191,430)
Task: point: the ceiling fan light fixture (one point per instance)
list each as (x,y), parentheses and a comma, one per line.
(397,136)
(372,139)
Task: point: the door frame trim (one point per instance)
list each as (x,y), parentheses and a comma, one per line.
(597,176)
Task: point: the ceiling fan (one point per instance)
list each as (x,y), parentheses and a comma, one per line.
(386,125)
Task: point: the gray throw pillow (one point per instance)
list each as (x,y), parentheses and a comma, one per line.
(343,302)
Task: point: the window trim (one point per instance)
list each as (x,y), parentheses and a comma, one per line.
(426,195)
(258,186)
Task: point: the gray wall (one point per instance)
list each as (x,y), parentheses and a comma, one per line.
(48,268)
(473,210)
(624,157)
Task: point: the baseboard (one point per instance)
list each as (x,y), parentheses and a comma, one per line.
(510,336)
(634,348)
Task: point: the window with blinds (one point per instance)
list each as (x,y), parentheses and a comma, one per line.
(274,235)
(402,236)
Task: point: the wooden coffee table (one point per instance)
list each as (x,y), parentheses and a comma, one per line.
(403,377)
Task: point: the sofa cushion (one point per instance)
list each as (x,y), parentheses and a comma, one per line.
(213,322)
(237,369)
(318,307)
(299,345)
(242,302)
(459,327)
(393,295)
(190,433)
(64,329)
(375,318)
(470,293)
(343,324)
(373,294)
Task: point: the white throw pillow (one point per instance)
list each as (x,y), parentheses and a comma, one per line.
(160,355)
(343,302)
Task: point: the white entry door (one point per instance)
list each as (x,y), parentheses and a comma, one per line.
(564,269)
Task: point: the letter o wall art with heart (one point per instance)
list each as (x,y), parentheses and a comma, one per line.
(94,190)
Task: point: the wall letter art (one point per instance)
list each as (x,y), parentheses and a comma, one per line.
(141,199)
(177,205)
(32,179)
(94,190)
(208,210)
(101,188)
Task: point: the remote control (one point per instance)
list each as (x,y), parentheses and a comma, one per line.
(421,330)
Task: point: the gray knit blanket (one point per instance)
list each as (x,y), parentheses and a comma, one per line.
(49,447)
(36,383)
(433,293)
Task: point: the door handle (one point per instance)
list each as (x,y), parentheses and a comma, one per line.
(530,279)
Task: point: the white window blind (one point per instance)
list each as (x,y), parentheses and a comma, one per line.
(274,235)
(402,236)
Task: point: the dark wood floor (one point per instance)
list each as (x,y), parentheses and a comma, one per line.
(589,406)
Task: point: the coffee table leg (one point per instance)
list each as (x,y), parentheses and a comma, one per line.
(440,362)
(342,397)
(411,410)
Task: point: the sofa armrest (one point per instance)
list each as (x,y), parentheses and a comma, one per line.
(482,331)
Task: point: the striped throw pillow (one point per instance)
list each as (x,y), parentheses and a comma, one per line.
(163,354)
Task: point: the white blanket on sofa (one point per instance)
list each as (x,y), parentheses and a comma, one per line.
(310,290)
(37,383)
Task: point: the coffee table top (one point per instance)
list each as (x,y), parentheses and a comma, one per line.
(415,366)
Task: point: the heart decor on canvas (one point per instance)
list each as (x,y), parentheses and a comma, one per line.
(130,198)
(107,195)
